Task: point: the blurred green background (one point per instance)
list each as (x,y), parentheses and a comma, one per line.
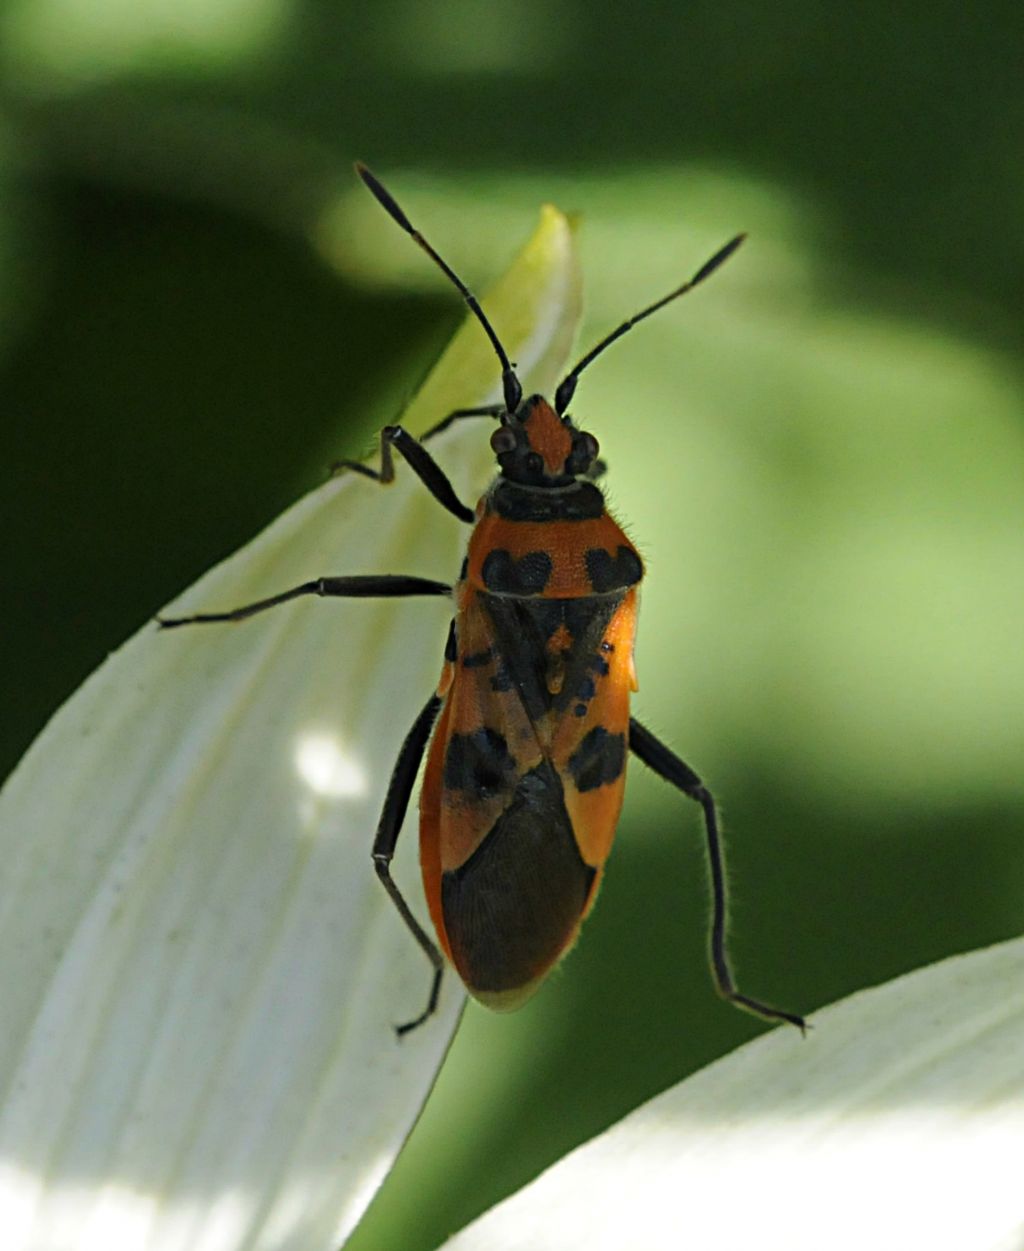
(821,454)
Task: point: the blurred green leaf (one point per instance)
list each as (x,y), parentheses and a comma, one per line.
(62,46)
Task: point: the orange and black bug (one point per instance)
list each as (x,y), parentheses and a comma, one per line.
(529,729)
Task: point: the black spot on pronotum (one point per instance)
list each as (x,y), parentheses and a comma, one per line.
(505,575)
(479,762)
(613,573)
(598,760)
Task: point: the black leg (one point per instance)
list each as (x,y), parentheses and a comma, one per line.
(484,410)
(667,765)
(420,461)
(359,586)
(388,827)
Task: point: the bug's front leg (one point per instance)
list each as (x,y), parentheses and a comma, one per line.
(396,805)
(420,461)
(457,414)
(667,765)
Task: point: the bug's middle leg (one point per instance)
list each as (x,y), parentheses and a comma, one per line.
(667,765)
(356,586)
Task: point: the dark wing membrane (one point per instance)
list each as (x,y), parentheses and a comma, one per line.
(512,908)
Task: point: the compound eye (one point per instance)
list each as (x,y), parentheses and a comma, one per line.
(587,447)
(503,440)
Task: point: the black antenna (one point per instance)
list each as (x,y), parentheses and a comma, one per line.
(567,388)
(510,383)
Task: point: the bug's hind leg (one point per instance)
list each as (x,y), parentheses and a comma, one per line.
(396,805)
(667,765)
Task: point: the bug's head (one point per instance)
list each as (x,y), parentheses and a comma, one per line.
(537,447)
(536,443)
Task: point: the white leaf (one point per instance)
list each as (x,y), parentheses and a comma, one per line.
(199,973)
(897,1125)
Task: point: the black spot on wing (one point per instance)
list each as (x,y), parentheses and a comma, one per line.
(598,760)
(586,689)
(501,681)
(613,573)
(479,762)
(506,575)
(512,907)
(451,649)
(476,660)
